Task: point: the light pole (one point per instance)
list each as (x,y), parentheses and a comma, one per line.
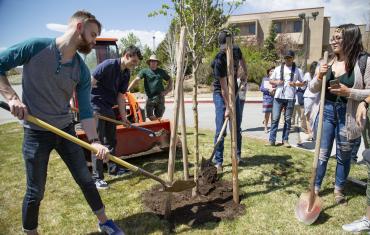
(153,44)
(306,20)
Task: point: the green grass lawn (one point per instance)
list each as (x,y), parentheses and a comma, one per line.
(270,183)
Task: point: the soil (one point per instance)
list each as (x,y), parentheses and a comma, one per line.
(213,204)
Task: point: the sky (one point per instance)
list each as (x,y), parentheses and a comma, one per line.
(23,19)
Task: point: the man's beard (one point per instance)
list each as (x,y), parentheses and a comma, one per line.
(85,47)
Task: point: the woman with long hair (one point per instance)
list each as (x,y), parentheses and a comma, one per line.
(309,98)
(268,96)
(345,89)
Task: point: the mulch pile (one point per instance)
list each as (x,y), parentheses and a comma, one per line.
(214,203)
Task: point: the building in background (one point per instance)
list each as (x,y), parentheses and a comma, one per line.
(293,28)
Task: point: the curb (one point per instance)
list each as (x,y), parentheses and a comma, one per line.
(208,101)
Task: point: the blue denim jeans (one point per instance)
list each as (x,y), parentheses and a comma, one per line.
(220,118)
(277,107)
(37,146)
(334,127)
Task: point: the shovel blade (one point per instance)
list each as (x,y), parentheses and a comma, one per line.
(179,185)
(302,213)
(204,163)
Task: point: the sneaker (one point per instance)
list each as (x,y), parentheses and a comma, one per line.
(219,168)
(340,198)
(101,184)
(270,144)
(360,225)
(240,160)
(121,172)
(110,228)
(286,144)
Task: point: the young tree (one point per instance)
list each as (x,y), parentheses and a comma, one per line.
(202,19)
(270,45)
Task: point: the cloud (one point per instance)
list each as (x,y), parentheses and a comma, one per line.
(340,11)
(57,27)
(2,48)
(146,37)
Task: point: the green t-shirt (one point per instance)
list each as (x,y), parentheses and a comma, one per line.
(153,80)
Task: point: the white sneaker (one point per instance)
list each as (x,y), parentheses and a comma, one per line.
(101,184)
(360,225)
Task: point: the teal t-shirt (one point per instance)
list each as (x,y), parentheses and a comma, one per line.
(153,81)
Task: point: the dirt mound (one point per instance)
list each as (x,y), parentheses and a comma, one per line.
(214,203)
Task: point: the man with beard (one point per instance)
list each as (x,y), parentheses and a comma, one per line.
(109,82)
(52,70)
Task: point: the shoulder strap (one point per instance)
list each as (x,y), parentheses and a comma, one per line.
(293,72)
(282,71)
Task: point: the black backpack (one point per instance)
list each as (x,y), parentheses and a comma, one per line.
(362,62)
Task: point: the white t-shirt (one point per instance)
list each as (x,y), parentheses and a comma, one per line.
(308,94)
(284,91)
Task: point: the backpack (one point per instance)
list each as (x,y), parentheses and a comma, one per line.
(362,62)
(291,74)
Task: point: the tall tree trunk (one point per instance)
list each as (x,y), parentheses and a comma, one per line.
(196,135)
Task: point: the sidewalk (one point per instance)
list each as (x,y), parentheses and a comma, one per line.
(203,98)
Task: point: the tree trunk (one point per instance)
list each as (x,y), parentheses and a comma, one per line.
(196,135)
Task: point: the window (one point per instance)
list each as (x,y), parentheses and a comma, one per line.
(278,27)
(100,53)
(251,29)
(297,26)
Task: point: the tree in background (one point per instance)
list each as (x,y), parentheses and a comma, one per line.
(270,45)
(203,20)
(166,51)
(130,39)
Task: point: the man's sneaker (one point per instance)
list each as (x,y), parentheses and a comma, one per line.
(240,160)
(270,144)
(101,184)
(360,225)
(110,228)
(121,172)
(219,168)
(286,144)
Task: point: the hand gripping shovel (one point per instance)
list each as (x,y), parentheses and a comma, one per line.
(176,186)
(309,204)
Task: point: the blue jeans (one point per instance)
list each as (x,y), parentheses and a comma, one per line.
(334,127)
(37,146)
(277,107)
(220,118)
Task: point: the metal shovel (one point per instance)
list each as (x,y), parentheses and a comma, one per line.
(309,204)
(207,162)
(176,186)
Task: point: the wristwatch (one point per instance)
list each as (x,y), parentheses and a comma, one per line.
(366,104)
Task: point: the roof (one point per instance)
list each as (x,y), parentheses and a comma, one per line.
(107,39)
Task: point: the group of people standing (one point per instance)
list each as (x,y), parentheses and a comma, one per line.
(285,88)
